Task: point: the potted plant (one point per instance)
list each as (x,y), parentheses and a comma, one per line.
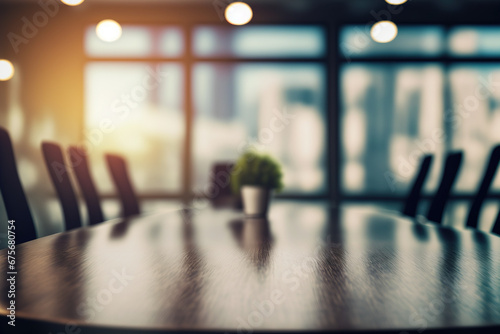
(256,175)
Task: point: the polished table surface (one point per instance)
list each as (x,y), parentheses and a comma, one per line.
(309,267)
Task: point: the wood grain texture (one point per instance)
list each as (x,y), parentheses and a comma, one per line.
(309,267)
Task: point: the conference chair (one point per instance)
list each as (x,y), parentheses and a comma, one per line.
(14,198)
(79,163)
(496,226)
(410,207)
(450,172)
(489,175)
(59,174)
(117,167)
(220,179)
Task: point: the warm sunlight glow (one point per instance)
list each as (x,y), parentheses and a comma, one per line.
(72,2)
(238,13)
(384,31)
(6,70)
(109,30)
(396,2)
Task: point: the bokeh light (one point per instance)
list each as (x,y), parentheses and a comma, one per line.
(238,13)
(384,31)
(396,2)
(72,2)
(6,70)
(109,30)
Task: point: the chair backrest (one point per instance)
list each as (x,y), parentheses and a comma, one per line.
(119,173)
(220,179)
(79,163)
(13,194)
(450,172)
(59,173)
(489,175)
(496,226)
(410,208)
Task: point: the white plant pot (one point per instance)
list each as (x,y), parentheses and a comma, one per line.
(255,200)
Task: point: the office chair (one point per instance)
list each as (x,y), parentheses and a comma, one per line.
(489,175)
(450,172)
(220,180)
(14,198)
(59,174)
(117,167)
(80,165)
(496,226)
(410,208)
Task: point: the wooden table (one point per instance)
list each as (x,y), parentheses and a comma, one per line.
(309,268)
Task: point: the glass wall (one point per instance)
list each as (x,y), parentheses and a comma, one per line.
(259,41)
(135,107)
(136,87)
(390,117)
(425,92)
(276,107)
(416,41)
(417,95)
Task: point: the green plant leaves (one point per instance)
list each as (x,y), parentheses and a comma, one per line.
(256,169)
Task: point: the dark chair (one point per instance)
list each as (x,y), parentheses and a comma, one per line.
(496,226)
(410,208)
(450,172)
(489,175)
(59,174)
(220,179)
(119,173)
(13,194)
(79,163)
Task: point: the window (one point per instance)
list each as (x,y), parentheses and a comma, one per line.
(136,108)
(395,107)
(421,41)
(475,94)
(137,42)
(137,84)
(389,112)
(259,41)
(474,41)
(277,106)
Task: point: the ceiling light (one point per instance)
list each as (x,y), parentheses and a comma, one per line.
(6,70)
(108,30)
(396,2)
(384,31)
(72,2)
(238,13)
